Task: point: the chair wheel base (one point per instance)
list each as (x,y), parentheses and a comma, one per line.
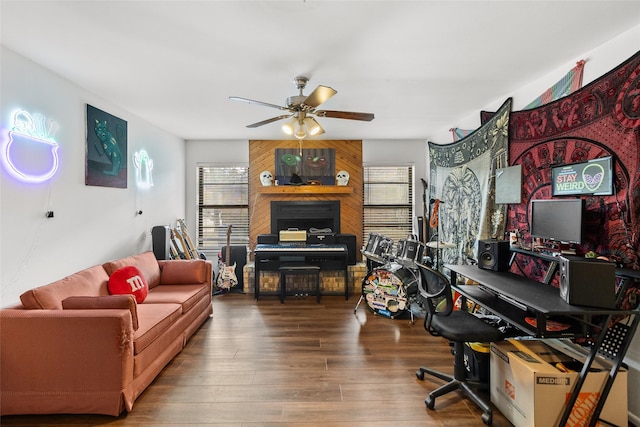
(487,418)
(431,403)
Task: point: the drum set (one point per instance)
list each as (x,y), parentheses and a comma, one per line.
(390,286)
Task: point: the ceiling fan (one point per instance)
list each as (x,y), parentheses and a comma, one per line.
(301,110)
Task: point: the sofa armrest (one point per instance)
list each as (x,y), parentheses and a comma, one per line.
(104,302)
(185,272)
(63,353)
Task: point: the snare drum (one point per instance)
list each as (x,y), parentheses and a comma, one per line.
(388,289)
(378,247)
(409,252)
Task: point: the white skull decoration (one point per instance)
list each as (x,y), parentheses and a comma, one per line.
(266,178)
(342,178)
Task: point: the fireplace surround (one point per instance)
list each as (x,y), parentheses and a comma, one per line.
(304,215)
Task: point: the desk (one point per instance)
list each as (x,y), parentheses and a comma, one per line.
(327,257)
(514,298)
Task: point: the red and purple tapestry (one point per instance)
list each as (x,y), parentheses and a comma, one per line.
(601,119)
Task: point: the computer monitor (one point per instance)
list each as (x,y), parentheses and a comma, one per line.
(557,219)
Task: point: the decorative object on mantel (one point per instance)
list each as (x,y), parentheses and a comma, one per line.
(342,178)
(301,109)
(266,178)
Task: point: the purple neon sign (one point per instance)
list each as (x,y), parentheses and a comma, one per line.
(31,152)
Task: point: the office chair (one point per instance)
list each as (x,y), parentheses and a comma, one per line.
(457,326)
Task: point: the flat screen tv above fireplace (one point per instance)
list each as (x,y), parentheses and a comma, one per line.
(305,215)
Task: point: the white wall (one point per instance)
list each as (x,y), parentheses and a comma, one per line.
(599,61)
(91,224)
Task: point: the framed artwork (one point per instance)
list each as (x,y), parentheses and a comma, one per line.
(307,166)
(106,151)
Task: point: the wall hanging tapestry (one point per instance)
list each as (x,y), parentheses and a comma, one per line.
(462,176)
(602,119)
(307,166)
(106,151)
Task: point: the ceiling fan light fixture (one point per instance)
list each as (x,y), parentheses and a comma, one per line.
(313,126)
(300,132)
(289,127)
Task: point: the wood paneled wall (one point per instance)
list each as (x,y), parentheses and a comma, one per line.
(348,157)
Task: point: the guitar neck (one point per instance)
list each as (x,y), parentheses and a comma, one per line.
(228,254)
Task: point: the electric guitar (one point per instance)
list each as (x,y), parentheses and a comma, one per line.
(176,253)
(190,247)
(227,276)
(185,251)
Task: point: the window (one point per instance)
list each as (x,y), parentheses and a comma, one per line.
(223,194)
(388,201)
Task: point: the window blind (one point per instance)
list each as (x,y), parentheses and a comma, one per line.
(223,194)
(388,201)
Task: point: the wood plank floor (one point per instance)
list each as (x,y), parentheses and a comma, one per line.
(295,364)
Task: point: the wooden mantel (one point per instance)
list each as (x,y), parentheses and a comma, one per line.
(305,189)
(348,157)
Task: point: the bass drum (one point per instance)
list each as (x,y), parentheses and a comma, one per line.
(388,290)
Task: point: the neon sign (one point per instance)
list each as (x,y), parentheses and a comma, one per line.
(591,177)
(144,166)
(31,153)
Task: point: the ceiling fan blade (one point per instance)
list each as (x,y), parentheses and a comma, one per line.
(271,120)
(350,115)
(251,101)
(318,96)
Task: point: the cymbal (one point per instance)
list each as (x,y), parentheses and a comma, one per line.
(440,245)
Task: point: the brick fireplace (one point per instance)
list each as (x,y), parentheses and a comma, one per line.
(305,215)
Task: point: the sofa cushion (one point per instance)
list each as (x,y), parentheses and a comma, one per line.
(183,271)
(89,282)
(185,295)
(154,320)
(146,262)
(129,280)
(127,302)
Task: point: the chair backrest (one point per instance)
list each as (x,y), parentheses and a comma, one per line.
(435,289)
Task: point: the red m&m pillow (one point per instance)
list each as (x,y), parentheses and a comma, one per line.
(128,280)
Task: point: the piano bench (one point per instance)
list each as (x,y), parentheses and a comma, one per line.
(298,269)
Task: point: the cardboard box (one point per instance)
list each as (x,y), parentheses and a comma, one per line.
(530,391)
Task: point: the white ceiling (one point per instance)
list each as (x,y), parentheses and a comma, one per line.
(418,65)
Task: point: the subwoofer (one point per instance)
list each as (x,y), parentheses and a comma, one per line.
(350,241)
(493,255)
(587,282)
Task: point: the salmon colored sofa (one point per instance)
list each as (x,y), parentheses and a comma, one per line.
(71,347)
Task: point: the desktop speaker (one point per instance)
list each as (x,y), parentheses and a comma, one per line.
(587,282)
(160,241)
(493,255)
